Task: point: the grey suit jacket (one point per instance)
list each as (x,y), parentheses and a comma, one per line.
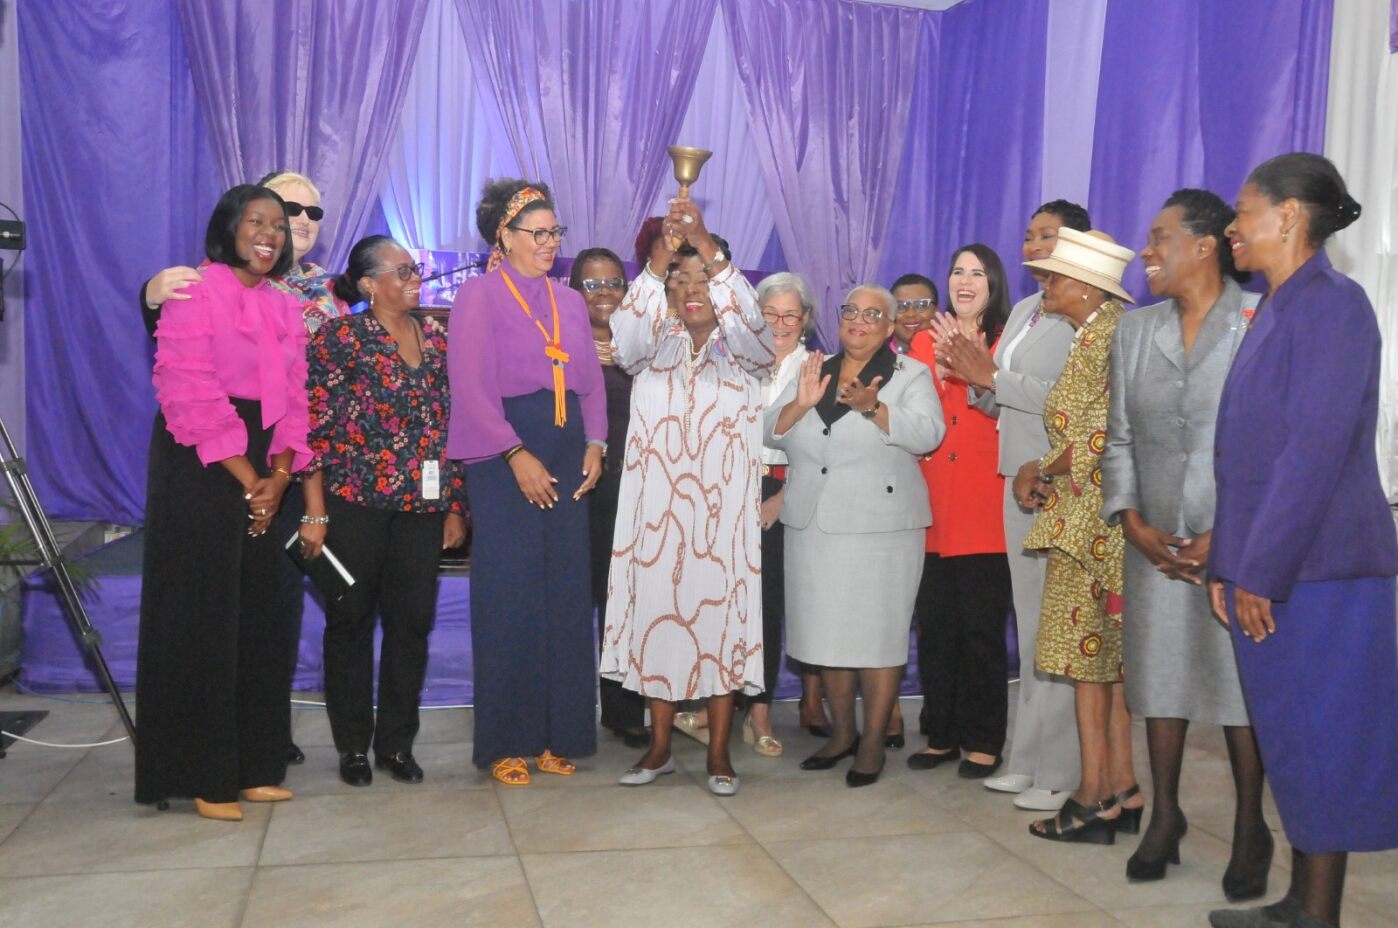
(1020,387)
(1164,401)
(851,477)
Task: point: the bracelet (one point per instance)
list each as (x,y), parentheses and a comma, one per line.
(718,259)
(315,520)
(283,471)
(600,444)
(511,452)
(651,274)
(1043,476)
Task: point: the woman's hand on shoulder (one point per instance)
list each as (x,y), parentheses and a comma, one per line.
(170,284)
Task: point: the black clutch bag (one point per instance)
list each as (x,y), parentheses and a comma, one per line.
(325,570)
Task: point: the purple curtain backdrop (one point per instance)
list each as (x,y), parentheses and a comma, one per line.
(588,97)
(828,85)
(971,163)
(118,183)
(313,86)
(1187,98)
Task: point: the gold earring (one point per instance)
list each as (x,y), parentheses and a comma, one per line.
(1286,234)
(371,301)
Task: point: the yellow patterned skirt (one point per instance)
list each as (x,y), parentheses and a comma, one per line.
(1079,624)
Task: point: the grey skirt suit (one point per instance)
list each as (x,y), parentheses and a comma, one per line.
(1160,462)
(855,513)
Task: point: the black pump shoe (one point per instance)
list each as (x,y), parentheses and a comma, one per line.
(401,766)
(295,755)
(854,778)
(1239,886)
(355,769)
(925,761)
(970,770)
(816,762)
(1143,870)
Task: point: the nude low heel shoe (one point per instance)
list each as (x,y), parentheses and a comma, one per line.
(219,811)
(267,794)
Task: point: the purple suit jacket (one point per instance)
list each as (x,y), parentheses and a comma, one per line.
(1299,497)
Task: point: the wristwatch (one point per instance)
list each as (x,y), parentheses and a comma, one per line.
(872,411)
(719,258)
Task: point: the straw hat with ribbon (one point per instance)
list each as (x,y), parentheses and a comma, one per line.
(1093,258)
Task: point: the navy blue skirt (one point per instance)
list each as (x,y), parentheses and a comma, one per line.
(1323,696)
(531,599)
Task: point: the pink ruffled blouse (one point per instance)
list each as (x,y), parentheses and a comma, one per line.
(229,340)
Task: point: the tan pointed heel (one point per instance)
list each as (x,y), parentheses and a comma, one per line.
(219,811)
(267,794)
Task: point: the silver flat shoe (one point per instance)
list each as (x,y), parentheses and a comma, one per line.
(640,776)
(723,786)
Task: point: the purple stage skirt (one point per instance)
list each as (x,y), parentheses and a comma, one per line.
(53,661)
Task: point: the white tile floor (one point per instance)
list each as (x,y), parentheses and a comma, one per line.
(793,848)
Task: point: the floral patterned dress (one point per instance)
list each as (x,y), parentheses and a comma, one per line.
(1080,620)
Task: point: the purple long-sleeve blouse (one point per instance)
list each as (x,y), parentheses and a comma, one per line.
(495,351)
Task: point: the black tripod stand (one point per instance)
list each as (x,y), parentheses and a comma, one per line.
(51,557)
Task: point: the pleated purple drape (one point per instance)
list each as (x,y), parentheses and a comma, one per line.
(828,85)
(313,86)
(589,95)
(1196,95)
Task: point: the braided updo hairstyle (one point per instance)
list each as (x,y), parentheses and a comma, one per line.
(1205,214)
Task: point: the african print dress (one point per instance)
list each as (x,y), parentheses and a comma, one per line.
(1080,619)
(684,617)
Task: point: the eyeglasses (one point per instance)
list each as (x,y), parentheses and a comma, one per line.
(849,312)
(684,281)
(405,272)
(915,306)
(789,319)
(541,236)
(598,284)
(315,213)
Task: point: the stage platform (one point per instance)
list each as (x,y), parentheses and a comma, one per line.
(53,661)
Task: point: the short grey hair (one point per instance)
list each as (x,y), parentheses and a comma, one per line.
(883,293)
(786,282)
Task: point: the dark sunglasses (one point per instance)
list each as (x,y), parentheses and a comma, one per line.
(596,284)
(295,209)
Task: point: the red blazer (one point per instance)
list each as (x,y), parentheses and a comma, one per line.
(963,480)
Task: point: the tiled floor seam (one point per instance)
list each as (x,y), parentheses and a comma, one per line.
(519,858)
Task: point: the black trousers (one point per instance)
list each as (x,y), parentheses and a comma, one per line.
(962,606)
(212,668)
(393,558)
(773,598)
(622,709)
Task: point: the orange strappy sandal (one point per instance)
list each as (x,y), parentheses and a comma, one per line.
(512,771)
(549,762)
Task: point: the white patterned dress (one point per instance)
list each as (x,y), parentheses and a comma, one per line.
(685,589)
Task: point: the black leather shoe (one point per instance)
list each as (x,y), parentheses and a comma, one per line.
(1246,880)
(970,770)
(355,769)
(924,761)
(295,755)
(895,742)
(855,778)
(816,762)
(1141,869)
(400,766)
(633,737)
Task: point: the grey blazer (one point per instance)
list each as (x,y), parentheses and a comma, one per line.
(1021,387)
(1164,401)
(851,477)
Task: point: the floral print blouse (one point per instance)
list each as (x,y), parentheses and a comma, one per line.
(375,420)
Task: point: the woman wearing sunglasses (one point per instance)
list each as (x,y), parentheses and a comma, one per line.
(305,280)
(855,512)
(381,490)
